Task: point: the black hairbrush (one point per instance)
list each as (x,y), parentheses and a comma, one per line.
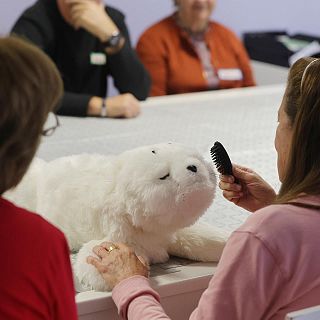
(221,159)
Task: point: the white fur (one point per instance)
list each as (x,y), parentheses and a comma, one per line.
(122,199)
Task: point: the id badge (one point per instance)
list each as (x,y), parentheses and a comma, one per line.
(230,74)
(98,58)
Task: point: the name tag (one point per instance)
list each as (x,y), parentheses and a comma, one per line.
(98,58)
(230,74)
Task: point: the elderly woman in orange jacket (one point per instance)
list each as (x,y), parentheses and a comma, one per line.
(186,52)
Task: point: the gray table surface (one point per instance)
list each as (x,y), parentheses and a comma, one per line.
(244,120)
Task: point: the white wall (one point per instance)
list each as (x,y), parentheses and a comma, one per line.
(295,16)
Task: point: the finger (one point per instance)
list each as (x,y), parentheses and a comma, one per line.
(138,110)
(243,173)
(226,178)
(102,268)
(76,20)
(129,113)
(77,10)
(143,261)
(97,264)
(229,186)
(135,114)
(238,166)
(108,244)
(94,261)
(230,195)
(100,251)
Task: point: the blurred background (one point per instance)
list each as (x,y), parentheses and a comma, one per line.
(240,15)
(273,31)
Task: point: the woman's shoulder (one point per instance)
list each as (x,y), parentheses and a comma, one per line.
(273,219)
(283,229)
(268,214)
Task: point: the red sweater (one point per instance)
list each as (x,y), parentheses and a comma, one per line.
(170,57)
(35,272)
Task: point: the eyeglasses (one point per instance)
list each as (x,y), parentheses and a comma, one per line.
(51,129)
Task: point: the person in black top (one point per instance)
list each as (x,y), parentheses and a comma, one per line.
(88,42)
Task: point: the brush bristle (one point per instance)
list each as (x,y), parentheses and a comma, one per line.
(221,159)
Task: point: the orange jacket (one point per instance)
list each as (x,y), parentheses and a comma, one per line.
(169,56)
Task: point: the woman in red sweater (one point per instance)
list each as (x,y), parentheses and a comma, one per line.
(186,52)
(35,271)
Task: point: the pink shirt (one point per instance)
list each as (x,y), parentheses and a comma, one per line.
(269,267)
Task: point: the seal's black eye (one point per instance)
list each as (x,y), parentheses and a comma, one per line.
(165,177)
(153,151)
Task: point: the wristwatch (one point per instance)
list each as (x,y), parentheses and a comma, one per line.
(113,41)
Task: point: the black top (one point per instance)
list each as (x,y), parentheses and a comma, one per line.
(76,52)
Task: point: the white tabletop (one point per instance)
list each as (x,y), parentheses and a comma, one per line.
(244,120)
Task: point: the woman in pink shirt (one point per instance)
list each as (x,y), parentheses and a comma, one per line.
(271,264)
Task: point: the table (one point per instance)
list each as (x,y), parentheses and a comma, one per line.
(244,120)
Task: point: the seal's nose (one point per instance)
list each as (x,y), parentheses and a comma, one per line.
(192,168)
